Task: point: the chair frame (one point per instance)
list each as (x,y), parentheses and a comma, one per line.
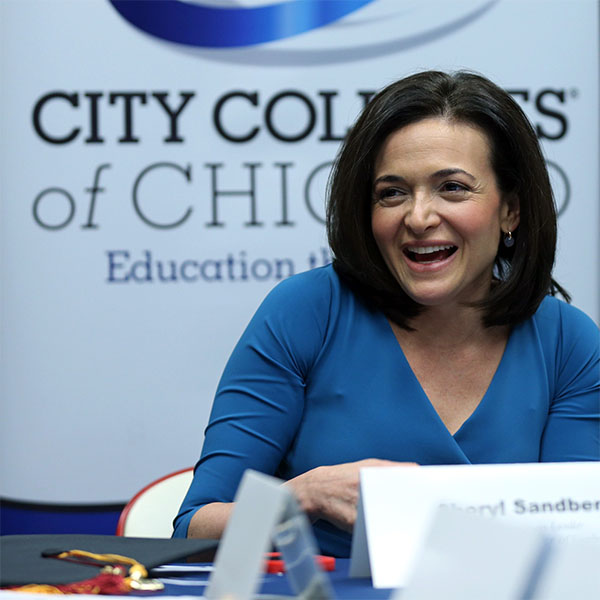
(129,506)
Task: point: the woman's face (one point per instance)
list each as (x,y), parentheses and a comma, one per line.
(437,213)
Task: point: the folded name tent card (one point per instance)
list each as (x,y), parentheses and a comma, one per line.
(467,556)
(260,504)
(572,571)
(265,513)
(397,505)
(26,559)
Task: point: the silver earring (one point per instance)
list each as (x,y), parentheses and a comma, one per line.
(508,239)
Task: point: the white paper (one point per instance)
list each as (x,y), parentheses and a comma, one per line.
(183,569)
(184,582)
(573,571)
(360,565)
(399,504)
(466,557)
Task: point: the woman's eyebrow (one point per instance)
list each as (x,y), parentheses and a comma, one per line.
(452,171)
(438,174)
(389,179)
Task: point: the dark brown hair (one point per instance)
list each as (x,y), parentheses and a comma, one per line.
(524,271)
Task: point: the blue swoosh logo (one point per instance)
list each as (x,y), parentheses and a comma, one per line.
(231,27)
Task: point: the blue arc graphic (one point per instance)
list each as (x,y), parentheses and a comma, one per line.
(231,27)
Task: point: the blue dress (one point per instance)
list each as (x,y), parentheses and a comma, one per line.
(318,378)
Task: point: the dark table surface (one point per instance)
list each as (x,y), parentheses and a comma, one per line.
(276,584)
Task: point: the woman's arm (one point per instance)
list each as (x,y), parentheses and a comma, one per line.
(572,431)
(210,520)
(329,493)
(260,400)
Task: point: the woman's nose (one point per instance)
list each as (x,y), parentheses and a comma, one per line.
(422,214)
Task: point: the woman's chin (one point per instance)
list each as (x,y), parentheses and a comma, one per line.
(447,293)
(431,297)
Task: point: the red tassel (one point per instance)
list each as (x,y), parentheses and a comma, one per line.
(105,583)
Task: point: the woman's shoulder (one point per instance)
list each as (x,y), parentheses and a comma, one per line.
(558,315)
(299,314)
(316,286)
(316,301)
(312,278)
(566,330)
(300,302)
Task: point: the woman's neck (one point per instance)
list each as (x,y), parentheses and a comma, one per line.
(450,327)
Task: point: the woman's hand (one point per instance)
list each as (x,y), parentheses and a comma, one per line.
(331,493)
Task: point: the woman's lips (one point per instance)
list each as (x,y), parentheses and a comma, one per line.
(427,255)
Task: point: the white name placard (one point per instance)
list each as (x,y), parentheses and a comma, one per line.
(397,505)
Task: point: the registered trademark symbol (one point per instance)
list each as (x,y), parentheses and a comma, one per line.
(574,93)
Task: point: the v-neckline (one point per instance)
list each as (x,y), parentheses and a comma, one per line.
(478,408)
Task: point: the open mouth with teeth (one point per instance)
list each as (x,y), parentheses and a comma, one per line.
(429,254)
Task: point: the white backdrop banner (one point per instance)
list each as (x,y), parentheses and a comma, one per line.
(163,165)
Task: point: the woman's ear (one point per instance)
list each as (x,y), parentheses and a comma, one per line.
(511,213)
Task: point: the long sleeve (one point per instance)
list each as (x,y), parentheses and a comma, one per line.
(260,399)
(572,431)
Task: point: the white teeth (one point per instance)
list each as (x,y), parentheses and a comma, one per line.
(427,249)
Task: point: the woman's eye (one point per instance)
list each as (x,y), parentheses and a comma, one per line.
(389,194)
(453,186)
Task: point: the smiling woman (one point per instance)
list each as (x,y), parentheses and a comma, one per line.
(438,213)
(508,146)
(433,338)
